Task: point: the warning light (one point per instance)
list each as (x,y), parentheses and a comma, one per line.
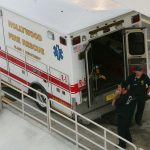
(135,18)
(62,40)
(76,40)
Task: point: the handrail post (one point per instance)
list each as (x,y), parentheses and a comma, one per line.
(22,99)
(76,130)
(105,143)
(49,123)
(1,93)
(0,83)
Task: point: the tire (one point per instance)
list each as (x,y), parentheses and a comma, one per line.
(40,98)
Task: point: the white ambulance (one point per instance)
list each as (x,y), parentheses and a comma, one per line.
(74,61)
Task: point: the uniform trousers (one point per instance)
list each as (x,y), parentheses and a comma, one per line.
(140,103)
(123,129)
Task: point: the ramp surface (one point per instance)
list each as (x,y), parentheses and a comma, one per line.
(17,133)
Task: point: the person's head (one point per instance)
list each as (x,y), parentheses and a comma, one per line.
(122,88)
(139,71)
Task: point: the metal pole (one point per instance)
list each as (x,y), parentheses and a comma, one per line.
(22,99)
(1,94)
(1,97)
(76,129)
(105,143)
(49,123)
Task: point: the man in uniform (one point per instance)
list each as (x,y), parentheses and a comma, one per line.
(123,101)
(139,84)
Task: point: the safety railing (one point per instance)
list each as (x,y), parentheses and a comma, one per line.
(88,137)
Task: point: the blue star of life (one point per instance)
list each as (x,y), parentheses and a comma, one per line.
(58,53)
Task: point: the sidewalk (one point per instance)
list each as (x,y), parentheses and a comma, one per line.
(17,133)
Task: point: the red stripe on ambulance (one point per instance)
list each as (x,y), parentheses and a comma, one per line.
(36,71)
(27,83)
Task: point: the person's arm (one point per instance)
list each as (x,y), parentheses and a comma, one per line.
(114,99)
(148,83)
(116,96)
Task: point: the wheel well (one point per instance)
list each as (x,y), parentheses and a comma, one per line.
(36,86)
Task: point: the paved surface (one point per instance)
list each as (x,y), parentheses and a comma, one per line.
(17,133)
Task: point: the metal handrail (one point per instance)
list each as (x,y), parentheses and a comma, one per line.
(94,123)
(51,119)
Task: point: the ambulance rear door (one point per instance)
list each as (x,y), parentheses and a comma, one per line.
(89,71)
(135,48)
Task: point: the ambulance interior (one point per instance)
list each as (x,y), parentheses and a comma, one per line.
(106,62)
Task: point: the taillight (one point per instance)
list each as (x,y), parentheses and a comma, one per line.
(76,40)
(135,18)
(63,40)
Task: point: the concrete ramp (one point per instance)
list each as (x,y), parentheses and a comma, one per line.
(17,133)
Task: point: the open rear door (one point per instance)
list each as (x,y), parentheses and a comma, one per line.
(135,48)
(104,59)
(89,71)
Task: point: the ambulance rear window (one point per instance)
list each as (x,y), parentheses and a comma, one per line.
(136,43)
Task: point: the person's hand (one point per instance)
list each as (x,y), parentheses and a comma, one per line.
(148,90)
(116,95)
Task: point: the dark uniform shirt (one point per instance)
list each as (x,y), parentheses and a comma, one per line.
(123,104)
(123,108)
(138,86)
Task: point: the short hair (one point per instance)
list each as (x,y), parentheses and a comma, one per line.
(123,85)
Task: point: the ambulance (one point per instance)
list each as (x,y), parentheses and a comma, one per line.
(77,66)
